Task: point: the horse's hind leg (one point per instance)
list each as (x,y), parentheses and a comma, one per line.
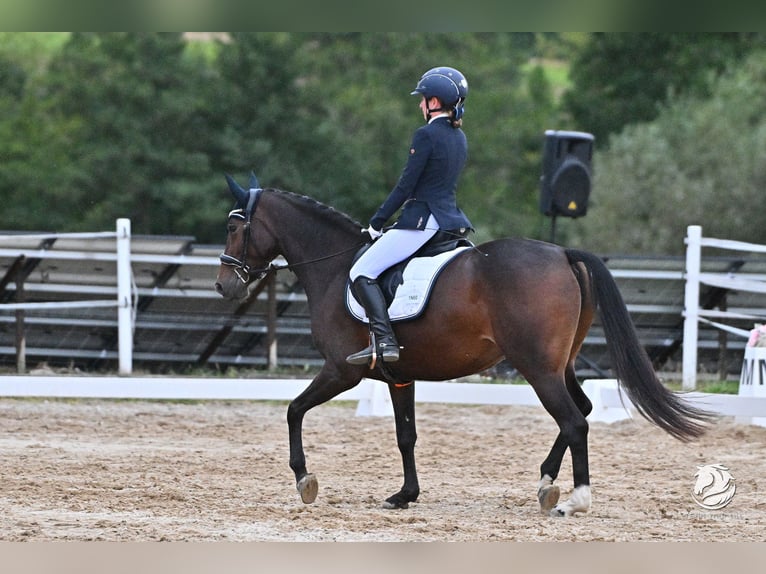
(403,400)
(547,492)
(568,410)
(324,387)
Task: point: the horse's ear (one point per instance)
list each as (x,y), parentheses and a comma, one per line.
(236,190)
(254,181)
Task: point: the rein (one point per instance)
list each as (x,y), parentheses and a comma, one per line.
(241,268)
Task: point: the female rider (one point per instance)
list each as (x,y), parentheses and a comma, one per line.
(426,191)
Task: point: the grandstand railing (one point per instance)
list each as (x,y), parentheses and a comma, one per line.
(61,287)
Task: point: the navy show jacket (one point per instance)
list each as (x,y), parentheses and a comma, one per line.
(428,183)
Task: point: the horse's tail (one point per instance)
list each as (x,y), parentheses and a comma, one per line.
(630,363)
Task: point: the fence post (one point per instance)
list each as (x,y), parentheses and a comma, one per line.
(271,321)
(21,336)
(124,301)
(691,306)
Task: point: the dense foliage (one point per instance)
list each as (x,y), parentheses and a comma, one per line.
(97,126)
(701,162)
(619,79)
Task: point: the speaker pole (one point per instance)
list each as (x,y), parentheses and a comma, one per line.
(553,228)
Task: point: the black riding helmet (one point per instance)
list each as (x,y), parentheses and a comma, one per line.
(447,84)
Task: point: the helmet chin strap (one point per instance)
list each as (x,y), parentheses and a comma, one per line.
(431,111)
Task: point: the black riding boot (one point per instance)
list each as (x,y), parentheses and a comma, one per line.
(383,343)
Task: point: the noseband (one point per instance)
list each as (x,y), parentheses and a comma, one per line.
(241,268)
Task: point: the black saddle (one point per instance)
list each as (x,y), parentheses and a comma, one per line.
(393,277)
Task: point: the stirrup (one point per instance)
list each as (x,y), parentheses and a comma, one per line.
(388,353)
(363,357)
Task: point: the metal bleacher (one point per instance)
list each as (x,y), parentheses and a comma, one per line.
(653,290)
(182,323)
(180,320)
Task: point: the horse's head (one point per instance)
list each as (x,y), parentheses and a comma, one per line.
(249,247)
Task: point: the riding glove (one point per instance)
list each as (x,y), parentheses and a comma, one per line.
(374,233)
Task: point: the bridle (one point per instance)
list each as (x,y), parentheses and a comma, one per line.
(242,270)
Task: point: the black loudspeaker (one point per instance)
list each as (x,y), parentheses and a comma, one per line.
(565,183)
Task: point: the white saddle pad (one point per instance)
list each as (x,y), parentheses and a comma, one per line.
(410,300)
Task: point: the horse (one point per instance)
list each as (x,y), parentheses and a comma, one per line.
(519,299)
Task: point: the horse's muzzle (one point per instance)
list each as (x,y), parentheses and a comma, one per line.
(230,287)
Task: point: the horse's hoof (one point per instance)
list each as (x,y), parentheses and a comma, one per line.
(557,512)
(578,502)
(388,505)
(548,496)
(308,488)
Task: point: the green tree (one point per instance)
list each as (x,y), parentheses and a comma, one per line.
(32,144)
(622,78)
(365,80)
(143,125)
(701,162)
(137,144)
(273,118)
(329,115)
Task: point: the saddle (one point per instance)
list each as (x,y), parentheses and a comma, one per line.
(407,285)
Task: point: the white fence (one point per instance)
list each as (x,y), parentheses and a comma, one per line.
(609,404)
(693,314)
(373,397)
(123,301)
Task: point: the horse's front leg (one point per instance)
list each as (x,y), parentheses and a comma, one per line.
(403,400)
(324,387)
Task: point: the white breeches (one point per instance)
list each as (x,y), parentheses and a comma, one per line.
(393,246)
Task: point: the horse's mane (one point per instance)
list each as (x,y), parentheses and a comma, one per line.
(313,204)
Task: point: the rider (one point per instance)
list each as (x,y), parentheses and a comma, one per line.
(426,189)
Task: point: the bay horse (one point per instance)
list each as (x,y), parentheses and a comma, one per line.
(527,301)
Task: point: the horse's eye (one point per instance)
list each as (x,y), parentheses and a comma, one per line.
(232,228)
